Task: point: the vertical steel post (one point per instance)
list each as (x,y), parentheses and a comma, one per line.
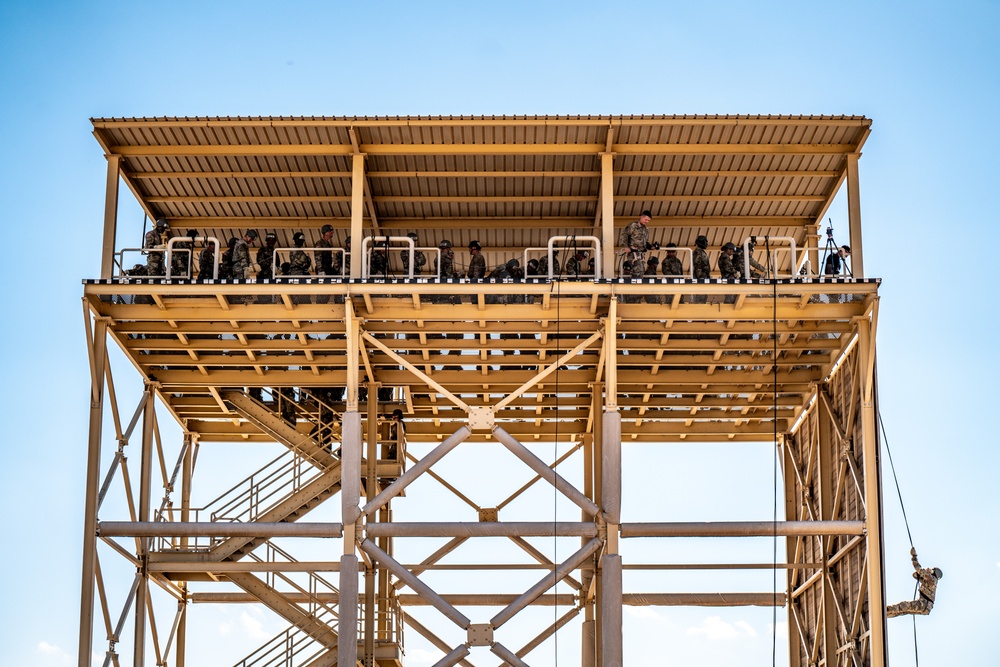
(88,583)
(873,496)
(347,647)
(611,610)
(146,469)
(854,215)
(357,209)
(608,213)
(825,480)
(371,488)
(110,217)
(187,472)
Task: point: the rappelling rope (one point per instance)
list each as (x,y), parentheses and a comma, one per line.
(774,422)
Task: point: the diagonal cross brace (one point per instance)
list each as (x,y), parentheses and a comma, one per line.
(414,582)
(419,374)
(545,472)
(548,370)
(547,582)
(435,455)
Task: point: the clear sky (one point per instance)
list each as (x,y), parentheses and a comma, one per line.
(927,73)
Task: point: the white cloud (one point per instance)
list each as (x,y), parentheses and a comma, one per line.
(419,656)
(225,629)
(52,650)
(253,627)
(715,628)
(645,612)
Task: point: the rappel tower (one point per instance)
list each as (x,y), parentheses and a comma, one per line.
(548,380)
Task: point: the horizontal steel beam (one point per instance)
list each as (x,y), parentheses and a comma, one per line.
(483,529)
(742,529)
(217,529)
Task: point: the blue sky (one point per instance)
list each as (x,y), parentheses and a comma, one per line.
(927,73)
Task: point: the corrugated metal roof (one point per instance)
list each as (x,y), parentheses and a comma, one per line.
(509,182)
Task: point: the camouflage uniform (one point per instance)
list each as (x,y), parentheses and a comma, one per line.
(726,267)
(180,260)
(155,266)
(543,265)
(635,237)
(419,261)
(672,266)
(324,259)
(702,267)
(379,265)
(574,266)
(447,265)
(928,578)
(756,268)
(341,264)
(477,267)
(265,260)
(299,263)
(241,259)
(206,264)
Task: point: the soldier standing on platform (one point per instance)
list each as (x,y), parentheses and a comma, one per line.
(671,264)
(726,267)
(477,264)
(574,265)
(635,238)
(756,268)
(206,262)
(419,260)
(702,267)
(265,257)
(324,258)
(157,239)
(241,255)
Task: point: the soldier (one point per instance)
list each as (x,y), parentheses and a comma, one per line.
(206,263)
(574,265)
(324,258)
(155,245)
(739,260)
(543,264)
(477,264)
(342,261)
(928,578)
(726,267)
(241,255)
(651,265)
(635,238)
(446,270)
(180,258)
(701,265)
(419,260)
(671,264)
(265,257)
(298,261)
(226,263)
(378,267)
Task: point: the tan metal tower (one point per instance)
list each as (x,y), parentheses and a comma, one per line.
(316,364)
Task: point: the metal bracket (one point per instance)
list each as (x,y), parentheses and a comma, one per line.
(489,514)
(481,419)
(480,634)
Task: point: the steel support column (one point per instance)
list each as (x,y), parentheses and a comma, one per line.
(110,217)
(357,209)
(873,496)
(825,482)
(87,585)
(608,213)
(145,471)
(854,216)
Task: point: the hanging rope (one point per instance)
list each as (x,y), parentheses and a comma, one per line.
(555,491)
(902,506)
(774,423)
